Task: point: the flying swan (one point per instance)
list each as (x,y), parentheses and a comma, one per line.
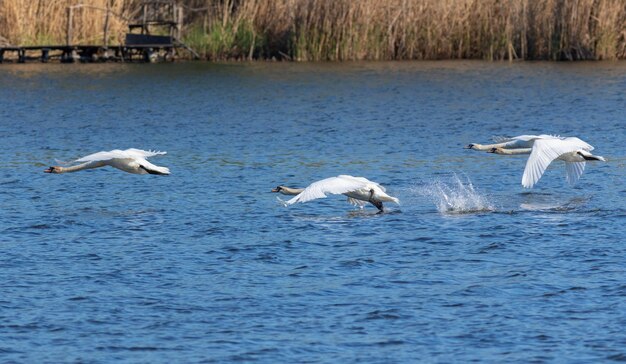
(520,141)
(573,151)
(358,189)
(130,160)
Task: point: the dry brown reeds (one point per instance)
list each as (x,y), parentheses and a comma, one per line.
(40,22)
(311,30)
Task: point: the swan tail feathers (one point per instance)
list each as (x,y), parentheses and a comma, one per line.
(163,171)
(386,197)
(595,158)
(153,169)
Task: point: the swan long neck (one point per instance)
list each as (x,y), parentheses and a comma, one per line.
(290,191)
(513,151)
(78,167)
(486,146)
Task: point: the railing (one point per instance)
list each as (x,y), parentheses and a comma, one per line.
(108,13)
(153,5)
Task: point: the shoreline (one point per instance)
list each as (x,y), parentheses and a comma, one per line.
(100,55)
(343,30)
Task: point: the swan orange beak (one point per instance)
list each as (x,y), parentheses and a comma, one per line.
(274,189)
(49,170)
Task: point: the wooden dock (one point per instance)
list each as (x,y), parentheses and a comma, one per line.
(90,53)
(165,15)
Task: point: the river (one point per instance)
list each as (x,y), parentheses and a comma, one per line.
(207,265)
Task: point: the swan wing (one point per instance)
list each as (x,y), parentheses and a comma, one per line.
(544,151)
(333,185)
(362,179)
(549,136)
(381,191)
(523,138)
(131,153)
(501,138)
(574,171)
(103,156)
(139,153)
(520,141)
(581,144)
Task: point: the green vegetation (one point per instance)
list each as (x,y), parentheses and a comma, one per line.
(224,42)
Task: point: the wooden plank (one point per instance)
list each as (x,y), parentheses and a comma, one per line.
(142,39)
(154,23)
(68,35)
(45,55)
(106,25)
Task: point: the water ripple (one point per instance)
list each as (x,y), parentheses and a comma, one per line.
(206,266)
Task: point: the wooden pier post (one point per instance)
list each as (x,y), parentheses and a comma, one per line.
(179,22)
(106,25)
(68,35)
(144,17)
(45,55)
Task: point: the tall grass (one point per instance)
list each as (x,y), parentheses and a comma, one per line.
(311,30)
(40,22)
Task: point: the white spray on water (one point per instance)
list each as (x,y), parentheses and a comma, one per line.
(455,196)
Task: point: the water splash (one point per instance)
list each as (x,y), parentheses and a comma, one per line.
(455,196)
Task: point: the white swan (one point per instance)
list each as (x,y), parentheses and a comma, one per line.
(573,151)
(358,189)
(520,141)
(130,160)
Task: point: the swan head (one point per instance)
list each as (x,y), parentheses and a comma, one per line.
(54,169)
(277,189)
(470,146)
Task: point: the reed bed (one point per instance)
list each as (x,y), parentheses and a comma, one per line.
(339,30)
(44,22)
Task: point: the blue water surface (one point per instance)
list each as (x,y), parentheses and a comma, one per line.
(207,265)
